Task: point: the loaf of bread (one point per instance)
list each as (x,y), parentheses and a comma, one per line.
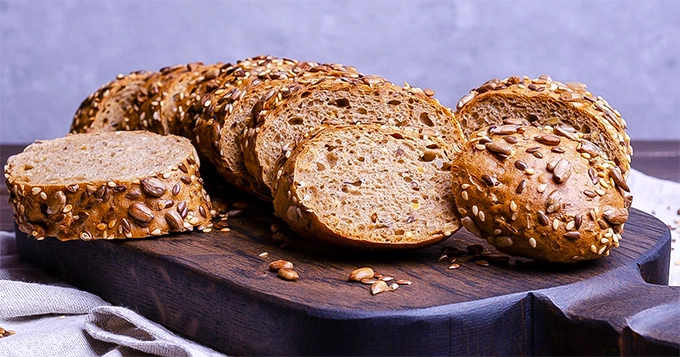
(569,108)
(223,113)
(106,108)
(369,187)
(535,193)
(107,185)
(287,116)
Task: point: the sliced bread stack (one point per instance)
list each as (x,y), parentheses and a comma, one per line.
(246,118)
(107,185)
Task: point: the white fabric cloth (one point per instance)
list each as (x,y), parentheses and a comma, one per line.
(51,318)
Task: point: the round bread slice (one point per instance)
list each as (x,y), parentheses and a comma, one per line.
(369,187)
(569,108)
(106,108)
(534,194)
(298,109)
(107,185)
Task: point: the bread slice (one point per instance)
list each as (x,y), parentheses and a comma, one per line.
(286,119)
(235,107)
(569,108)
(157,98)
(215,128)
(107,185)
(369,187)
(106,108)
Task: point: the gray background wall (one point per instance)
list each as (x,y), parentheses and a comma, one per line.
(54,53)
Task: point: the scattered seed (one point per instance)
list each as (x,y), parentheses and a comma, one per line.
(361,273)
(288,274)
(368,281)
(263,255)
(277,265)
(481,262)
(404,282)
(378,287)
(386,278)
(454,266)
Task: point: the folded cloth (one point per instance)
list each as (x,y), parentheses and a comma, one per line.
(51,318)
(660,198)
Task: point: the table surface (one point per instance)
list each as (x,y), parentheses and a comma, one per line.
(660,159)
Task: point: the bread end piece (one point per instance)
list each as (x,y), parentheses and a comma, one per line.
(107,185)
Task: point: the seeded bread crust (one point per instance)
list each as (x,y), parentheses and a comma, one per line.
(535,194)
(547,102)
(157,203)
(217,127)
(368,187)
(158,99)
(106,108)
(284,120)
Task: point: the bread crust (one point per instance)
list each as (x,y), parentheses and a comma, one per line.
(604,125)
(171,200)
(104,110)
(533,193)
(294,204)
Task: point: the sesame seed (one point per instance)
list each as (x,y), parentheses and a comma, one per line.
(542,187)
(570,225)
(593,248)
(475,210)
(465,195)
(532,242)
(555,224)
(599,252)
(481,216)
(465,186)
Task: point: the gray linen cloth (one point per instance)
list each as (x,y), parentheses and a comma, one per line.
(51,318)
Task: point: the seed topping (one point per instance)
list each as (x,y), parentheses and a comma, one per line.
(140,212)
(548,139)
(153,187)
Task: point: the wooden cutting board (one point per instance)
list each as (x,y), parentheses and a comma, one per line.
(215,288)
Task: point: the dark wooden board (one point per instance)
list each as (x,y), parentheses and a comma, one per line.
(215,288)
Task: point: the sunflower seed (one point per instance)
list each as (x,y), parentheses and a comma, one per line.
(548,139)
(378,287)
(140,212)
(288,274)
(499,147)
(361,273)
(153,187)
(280,264)
(615,174)
(56,203)
(615,215)
(174,220)
(562,171)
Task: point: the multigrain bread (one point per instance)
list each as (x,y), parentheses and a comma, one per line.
(106,108)
(285,119)
(569,107)
(221,113)
(532,193)
(369,187)
(107,185)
